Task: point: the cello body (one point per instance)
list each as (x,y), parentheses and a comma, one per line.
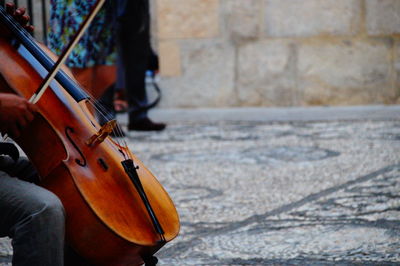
(107,222)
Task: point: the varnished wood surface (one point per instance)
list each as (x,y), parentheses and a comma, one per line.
(104,211)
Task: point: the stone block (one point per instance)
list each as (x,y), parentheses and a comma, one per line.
(242,18)
(286,18)
(170,59)
(383,17)
(266,73)
(188,18)
(345,73)
(207,76)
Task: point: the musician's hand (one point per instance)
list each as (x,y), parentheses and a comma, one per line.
(19,16)
(15,113)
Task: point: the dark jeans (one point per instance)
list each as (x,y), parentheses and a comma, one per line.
(32,216)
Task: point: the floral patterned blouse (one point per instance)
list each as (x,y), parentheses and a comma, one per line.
(97,46)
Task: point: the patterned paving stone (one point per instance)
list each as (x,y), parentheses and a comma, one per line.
(282,193)
(278,193)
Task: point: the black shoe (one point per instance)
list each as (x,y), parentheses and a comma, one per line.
(146,124)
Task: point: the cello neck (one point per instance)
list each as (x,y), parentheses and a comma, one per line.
(30,44)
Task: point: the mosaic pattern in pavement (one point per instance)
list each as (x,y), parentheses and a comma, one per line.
(254,193)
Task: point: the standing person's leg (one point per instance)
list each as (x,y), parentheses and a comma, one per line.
(133,55)
(32,216)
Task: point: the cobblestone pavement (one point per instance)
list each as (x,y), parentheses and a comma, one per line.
(278,193)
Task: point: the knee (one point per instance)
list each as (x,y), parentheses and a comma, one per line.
(49,210)
(55,207)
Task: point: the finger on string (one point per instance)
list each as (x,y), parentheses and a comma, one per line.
(10,8)
(20,12)
(24,20)
(30,28)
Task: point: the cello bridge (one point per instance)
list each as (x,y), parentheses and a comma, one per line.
(103,133)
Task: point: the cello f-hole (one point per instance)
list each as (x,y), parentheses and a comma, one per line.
(78,161)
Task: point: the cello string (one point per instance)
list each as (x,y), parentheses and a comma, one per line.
(101,110)
(23,37)
(65,54)
(66,51)
(104,113)
(11,21)
(4,136)
(99,107)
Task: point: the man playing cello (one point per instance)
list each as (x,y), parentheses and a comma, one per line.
(31,215)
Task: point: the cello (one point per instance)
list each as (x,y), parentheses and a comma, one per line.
(117,213)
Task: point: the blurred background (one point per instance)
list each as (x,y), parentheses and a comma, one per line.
(275,186)
(279,52)
(245,53)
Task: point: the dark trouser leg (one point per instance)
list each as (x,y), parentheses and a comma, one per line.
(33,217)
(133,54)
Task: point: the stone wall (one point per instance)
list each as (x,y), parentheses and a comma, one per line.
(222,53)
